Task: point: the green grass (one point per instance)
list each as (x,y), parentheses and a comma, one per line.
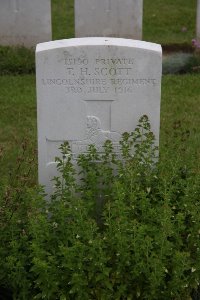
(165,19)
(180,120)
(17,118)
(62,19)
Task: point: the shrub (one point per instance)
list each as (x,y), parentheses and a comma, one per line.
(126,229)
(122,231)
(16,209)
(16,60)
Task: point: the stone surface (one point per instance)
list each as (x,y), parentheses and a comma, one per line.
(109,18)
(93,89)
(25,22)
(198,21)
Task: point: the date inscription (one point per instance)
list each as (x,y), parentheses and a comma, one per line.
(99,76)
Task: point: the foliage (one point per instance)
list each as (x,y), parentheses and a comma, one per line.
(17,207)
(128,228)
(16,60)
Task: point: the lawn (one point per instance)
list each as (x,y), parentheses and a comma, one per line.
(180,111)
(170,21)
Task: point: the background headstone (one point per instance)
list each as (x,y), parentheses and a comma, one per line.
(25,22)
(109,18)
(93,89)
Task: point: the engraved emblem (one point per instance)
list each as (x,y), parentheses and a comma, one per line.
(97,131)
(95,135)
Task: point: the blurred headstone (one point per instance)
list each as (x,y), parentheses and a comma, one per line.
(25,22)
(109,18)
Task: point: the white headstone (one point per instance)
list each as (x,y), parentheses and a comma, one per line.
(25,22)
(198,21)
(109,18)
(93,89)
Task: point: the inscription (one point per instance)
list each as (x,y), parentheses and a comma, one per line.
(99,76)
(112,71)
(105,61)
(85,81)
(76,61)
(99,71)
(99,86)
(115,61)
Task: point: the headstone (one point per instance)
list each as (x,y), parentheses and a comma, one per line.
(198,21)
(93,89)
(25,22)
(109,18)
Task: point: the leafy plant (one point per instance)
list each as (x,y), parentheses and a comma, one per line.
(141,242)
(19,201)
(119,226)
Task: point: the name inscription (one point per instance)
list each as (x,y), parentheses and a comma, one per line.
(99,76)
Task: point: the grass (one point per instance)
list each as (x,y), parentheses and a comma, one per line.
(180,120)
(17,118)
(169,22)
(62,19)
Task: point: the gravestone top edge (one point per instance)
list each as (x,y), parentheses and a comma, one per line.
(98,41)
